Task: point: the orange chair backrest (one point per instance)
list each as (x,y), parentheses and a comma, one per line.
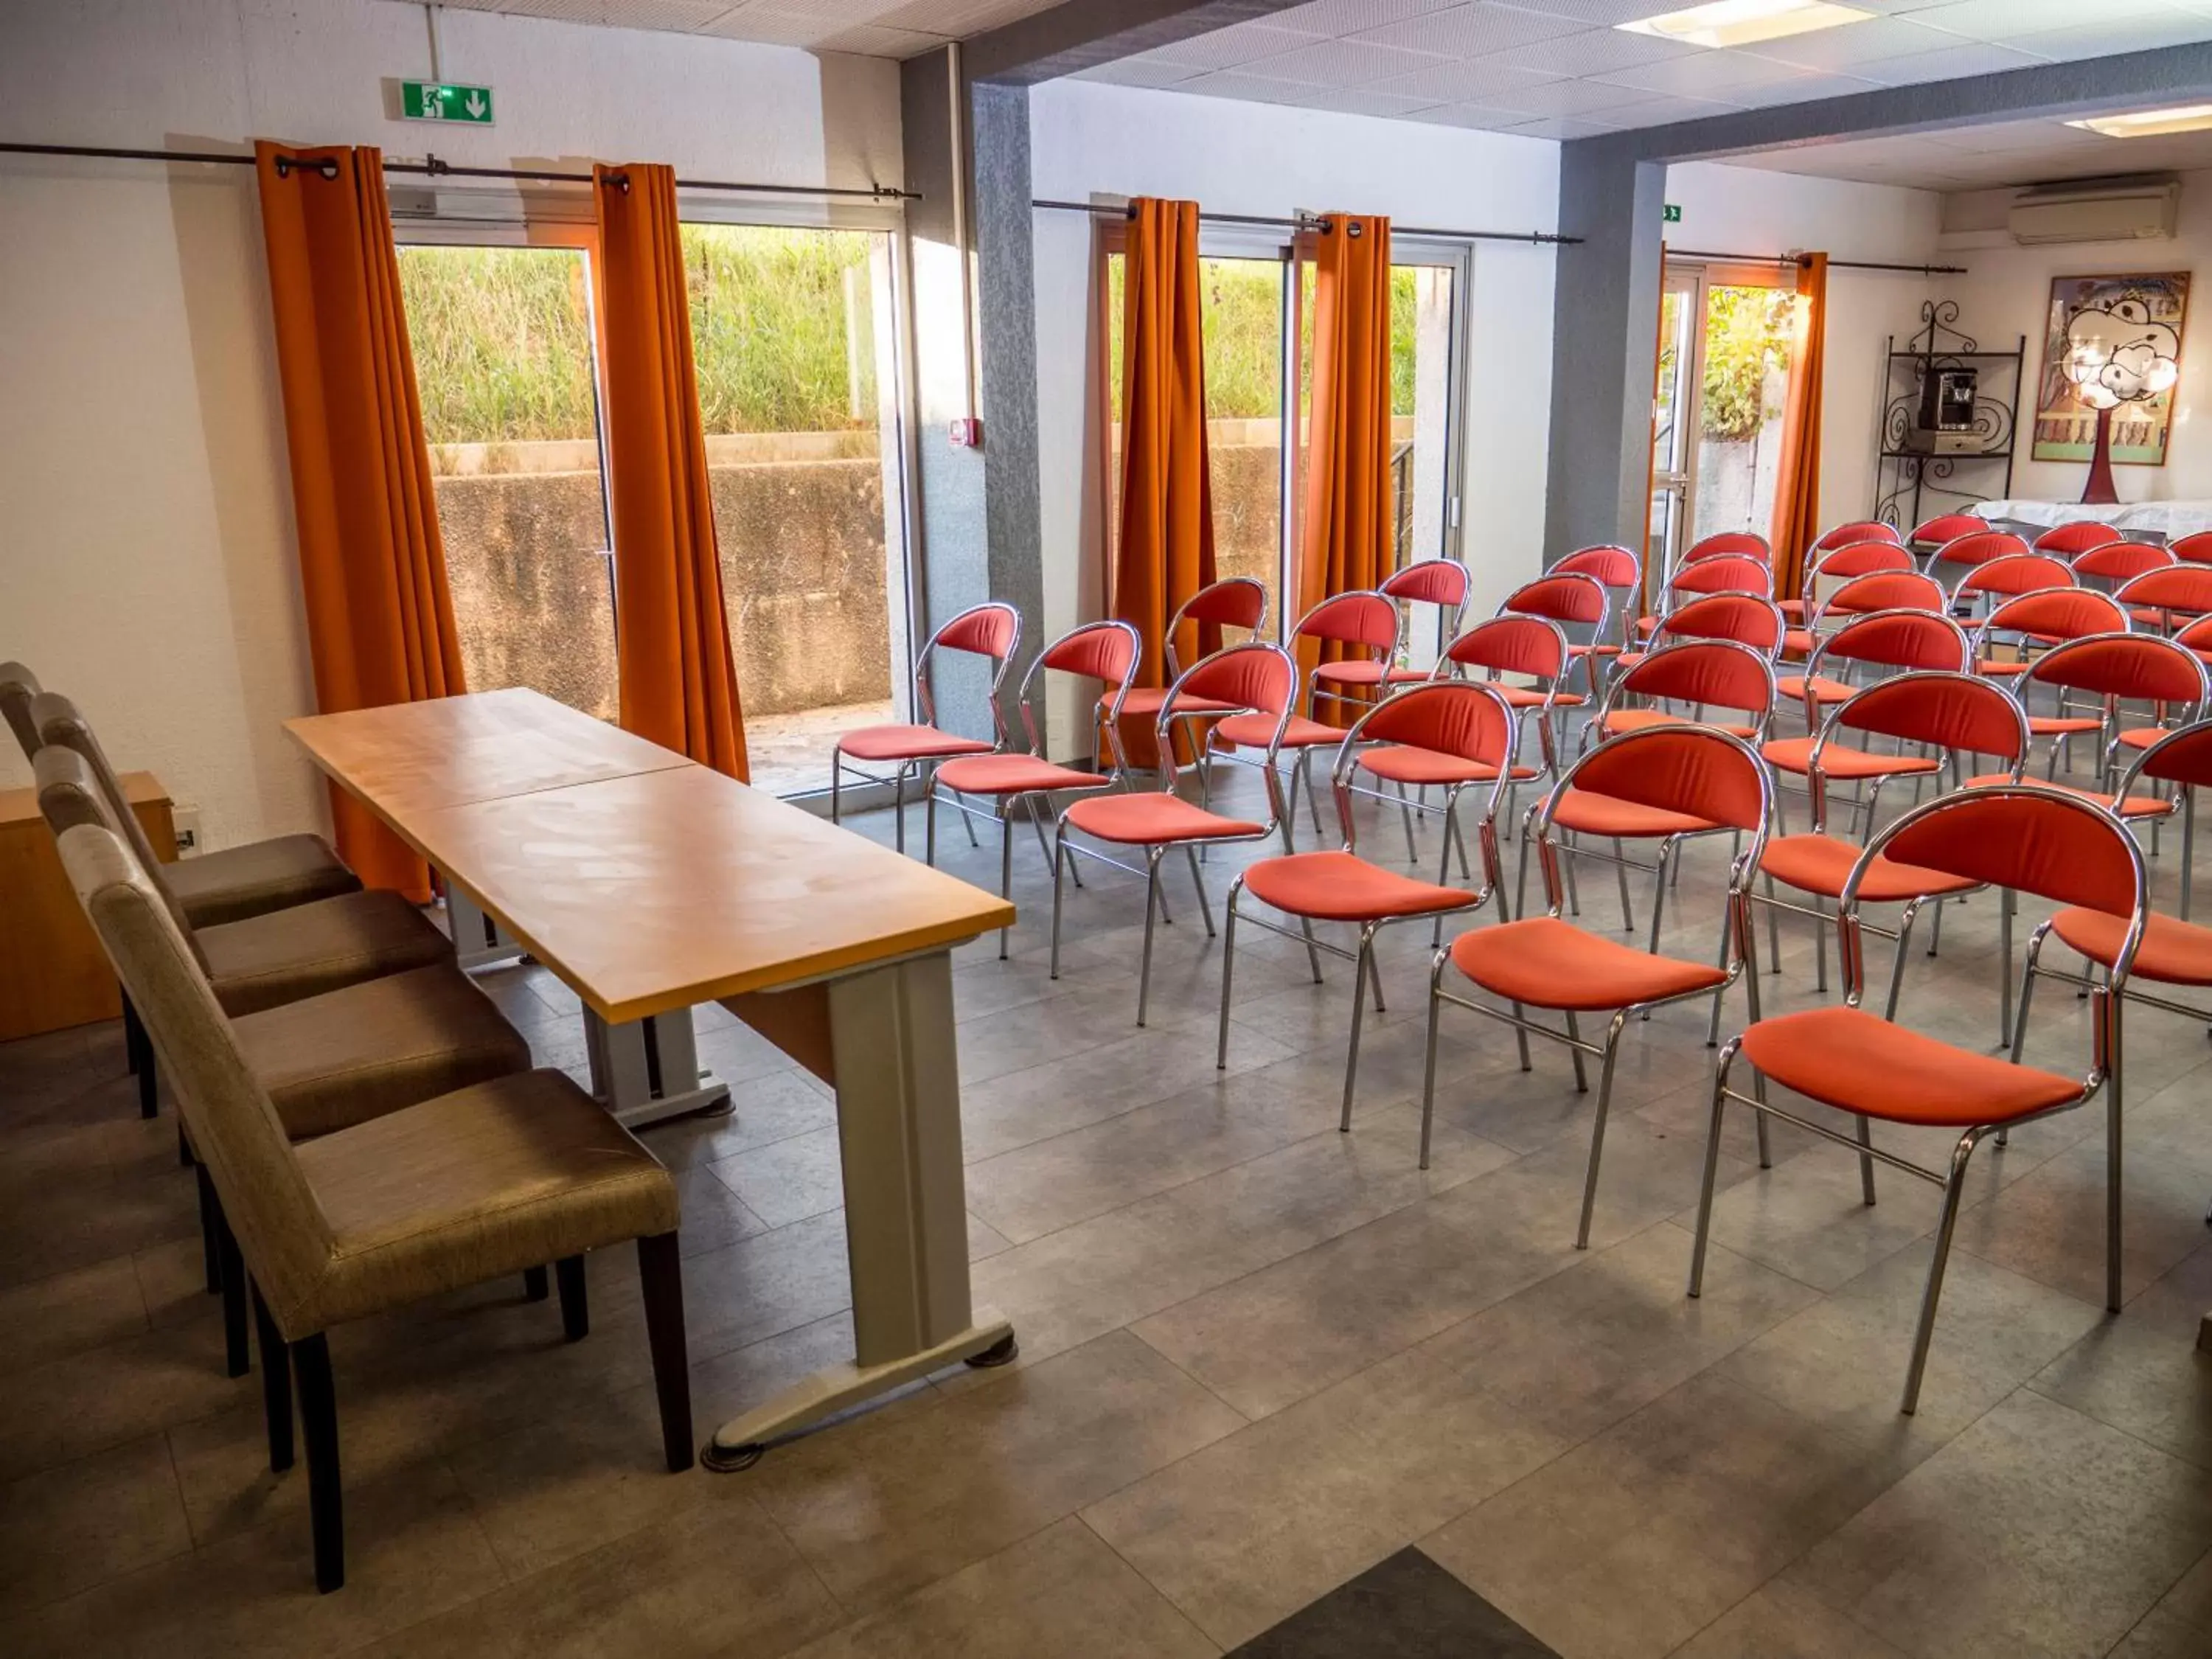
(990,629)
(1887,590)
(1726,573)
(2119,562)
(2186,588)
(2183,755)
(1431,582)
(2033,839)
(2195,549)
(2068,539)
(2059,613)
(1861,530)
(1946,526)
(1251,676)
(1511,644)
(1724,544)
(1961,713)
(1862,558)
(2140,666)
(1363,617)
(1904,638)
(1615,567)
(1720,672)
(1101,650)
(1979,547)
(2016,573)
(1691,769)
(2198,637)
(1560,598)
(1743,617)
(1458,718)
(1232,602)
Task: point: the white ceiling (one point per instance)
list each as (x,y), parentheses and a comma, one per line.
(1981,158)
(1558,69)
(872,29)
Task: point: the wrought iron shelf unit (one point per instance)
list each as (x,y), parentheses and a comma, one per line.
(1911,485)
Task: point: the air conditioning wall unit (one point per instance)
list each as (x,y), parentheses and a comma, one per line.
(2133,209)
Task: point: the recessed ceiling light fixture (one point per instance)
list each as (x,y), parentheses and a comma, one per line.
(1745,22)
(2148,123)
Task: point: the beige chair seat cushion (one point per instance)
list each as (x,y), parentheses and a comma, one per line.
(240,881)
(469,1187)
(265,962)
(348,1055)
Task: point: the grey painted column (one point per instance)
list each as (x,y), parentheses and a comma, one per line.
(1604,338)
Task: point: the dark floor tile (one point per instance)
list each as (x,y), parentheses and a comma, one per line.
(1407,1607)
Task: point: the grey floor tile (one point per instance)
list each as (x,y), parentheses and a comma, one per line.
(1405,1605)
(65,1529)
(1780,1621)
(2142,1372)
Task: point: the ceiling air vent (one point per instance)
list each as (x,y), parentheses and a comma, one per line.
(2096,211)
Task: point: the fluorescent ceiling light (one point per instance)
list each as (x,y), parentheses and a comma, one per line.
(1745,22)
(2148,123)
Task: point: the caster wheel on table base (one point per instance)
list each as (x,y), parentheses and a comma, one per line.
(1004,1352)
(730,1460)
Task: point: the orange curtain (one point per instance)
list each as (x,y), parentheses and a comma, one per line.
(679,684)
(1796,524)
(372,565)
(1345,535)
(1165,553)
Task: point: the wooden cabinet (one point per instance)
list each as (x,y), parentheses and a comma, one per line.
(52,971)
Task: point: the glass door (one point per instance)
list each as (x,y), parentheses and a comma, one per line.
(1673,425)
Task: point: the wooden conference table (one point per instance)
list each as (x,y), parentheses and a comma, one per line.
(649,884)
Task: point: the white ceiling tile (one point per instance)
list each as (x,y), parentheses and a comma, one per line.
(2103,40)
(2002,137)
(1344,63)
(1594,51)
(1481,117)
(1464,83)
(1950,64)
(1471,31)
(1850,45)
(1139,72)
(1363,100)
(1349,16)
(1703,74)
(872,41)
(1664,111)
(1603,14)
(1234,84)
(768,28)
(1563,127)
(1804,89)
(1560,98)
(1227,48)
(2001,20)
(681,15)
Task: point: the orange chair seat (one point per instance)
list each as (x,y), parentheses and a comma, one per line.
(1590,814)
(1254,731)
(1148,700)
(2060,726)
(1614,651)
(1998,670)
(1356,670)
(1344,887)
(1521,696)
(2141,736)
(1646,626)
(902,743)
(2144,617)
(2173,951)
(1545,962)
(1821,864)
(2135,806)
(1851,1059)
(1799,640)
(1635,719)
(1401,763)
(1403,675)
(1824,689)
(1012,774)
(1792,610)
(1151,818)
(1842,762)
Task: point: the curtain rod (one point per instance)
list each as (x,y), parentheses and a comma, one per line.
(1109,210)
(431,166)
(1792,260)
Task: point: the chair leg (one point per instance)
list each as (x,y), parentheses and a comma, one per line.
(150,1080)
(836,780)
(661,1271)
(575,1302)
(1005,866)
(536,1287)
(133,1035)
(2005,905)
(1621,873)
(1429,1065)
(1866,1163)
(1151,908)
(1227,974)
(211,1235)
(2112,1169)
(1061,858)
(1198,882)
(1953,1189)
(318,1426)
(1313,801)
(898,809)
(1362,969)
(1313,954)
(929,818)
(1712,1165)
(232,1266)
(2188,844)
(1405,812)
(967,819)
(275,1385)
(1773,930)
(1575,1053)
(1906,920)
(1597,1129)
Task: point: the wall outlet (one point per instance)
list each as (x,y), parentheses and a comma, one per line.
(186,820)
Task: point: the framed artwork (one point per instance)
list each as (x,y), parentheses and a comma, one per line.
(2065,426)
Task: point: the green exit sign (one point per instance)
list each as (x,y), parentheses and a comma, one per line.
(1674,215)
(445,101)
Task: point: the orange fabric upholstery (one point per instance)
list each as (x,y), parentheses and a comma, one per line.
(1866,558)
(2184,589)
(1843,763)
(2173,951)
(1344,887)
(1258,677)
(1728,572)
(1012,774)
(1822,864)
(2067,540)
(2140,666)
(1740,617)
(1953,711)
(1148,700)
(1361,618)
(1431,581)
(2131,806)
(1721,544)
(2063,613)
(1449,717)
(1257,731)
(2182,756)
(988,630)
(1899,638)
(678,681)
(2197,548)
(1615,722)
(1544,963)
(1946,526)
(1979,547)
(2120,561)
(2015,574)
(1100,651)
(1887,590)
(1849,1059)
(1362,670)
(1589,814)
(1512,644)
(1615,567)
(380,611)
(899,743)
(1151,818)
(2054,844)
(1821,688)
(1232,602)
(1858,530)
(1400,763)
(1683,769)
(1560,598)
(1715,671)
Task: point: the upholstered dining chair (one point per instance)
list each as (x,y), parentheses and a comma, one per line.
(471,1186)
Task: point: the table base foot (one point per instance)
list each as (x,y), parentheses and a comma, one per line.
(708,1100)
(740,1443)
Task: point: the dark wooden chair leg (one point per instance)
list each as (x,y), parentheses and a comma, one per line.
(134,1036)
(318,1426)
(149,1084)
(235,1359)
(660,1270)
(185,1158)
(576,1304)
(534,1285)
(276,1384)
(211,1234)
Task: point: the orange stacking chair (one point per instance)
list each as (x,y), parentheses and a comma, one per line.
(1443,583)
(2067,540)
(1470,724)
(992,630)
(1704,673)
(2043,616)
(1104,651)
(1954,714)
(2022,838)
(1746,618)
(1977,547)
(2163,598)
(1691,773)
(1852,559)
(2120,561)
(1259,677)
(1723,572)
(1727,544)
(1366,626)
(1572,600)
(1877,589)
(1617,570)
(2194,550)
(1910,635)
(1859,530)
(1931,533)
(1237,602)
(2115,667)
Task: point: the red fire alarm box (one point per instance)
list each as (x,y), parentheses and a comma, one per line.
(968,434)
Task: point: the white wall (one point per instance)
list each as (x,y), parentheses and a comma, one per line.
(1088,138)
(147,564)
(2007,293)
(1732,209)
